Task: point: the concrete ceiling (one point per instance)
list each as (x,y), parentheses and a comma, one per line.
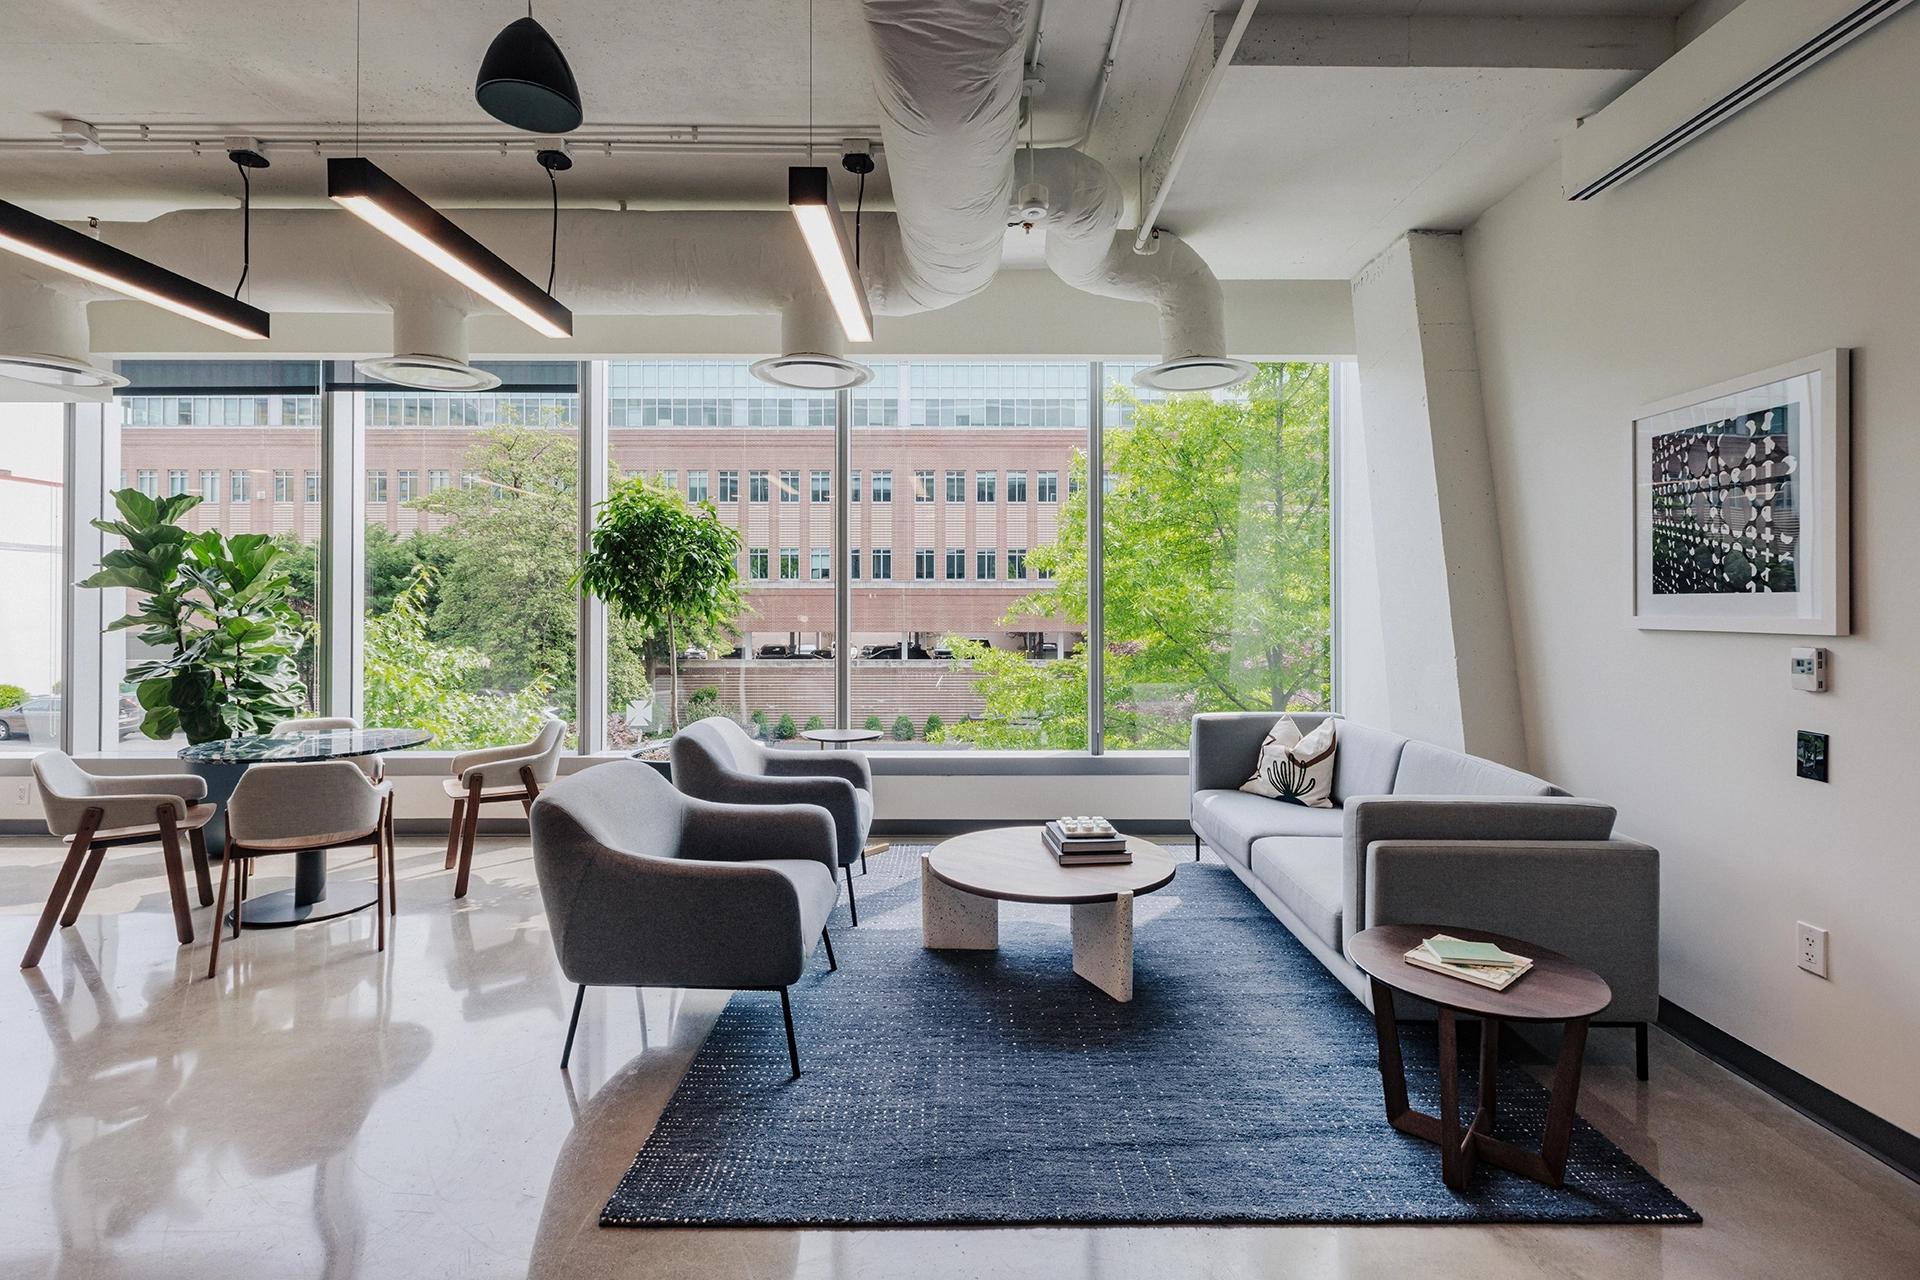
(1293,172)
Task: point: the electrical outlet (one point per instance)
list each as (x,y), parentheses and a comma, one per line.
(1813,949)
(20,795)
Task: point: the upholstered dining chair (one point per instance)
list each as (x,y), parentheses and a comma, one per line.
(492,776)
(100,813)
(714,759)
(375,767)
(293,808)
(646,887)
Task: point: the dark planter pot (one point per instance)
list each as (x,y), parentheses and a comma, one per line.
(662,767)
(221,780)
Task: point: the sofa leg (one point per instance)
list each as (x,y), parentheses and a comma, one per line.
(793,1047)
(579,999)
(833,966)
(1640,1049)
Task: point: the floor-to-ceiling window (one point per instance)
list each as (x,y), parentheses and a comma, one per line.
(31,491)
(471,543)
(243,437)
(1216,552)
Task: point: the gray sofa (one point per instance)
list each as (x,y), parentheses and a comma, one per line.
(1420,834)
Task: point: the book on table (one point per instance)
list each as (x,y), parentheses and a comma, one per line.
(1089,849)
(1498,970)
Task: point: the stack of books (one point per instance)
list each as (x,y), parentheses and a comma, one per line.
(1477,962)
(1083,841)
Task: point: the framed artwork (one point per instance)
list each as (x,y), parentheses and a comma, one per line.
(1740,501)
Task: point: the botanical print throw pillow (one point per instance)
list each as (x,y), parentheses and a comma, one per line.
(1293,768)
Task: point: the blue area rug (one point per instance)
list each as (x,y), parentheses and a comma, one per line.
(1241,1085)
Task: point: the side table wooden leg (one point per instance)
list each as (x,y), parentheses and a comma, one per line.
(954,921)
(1566,1093)
(1452,1171)
(1103,944)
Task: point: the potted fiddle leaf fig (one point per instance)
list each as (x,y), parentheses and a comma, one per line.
(667,567)
(214,609)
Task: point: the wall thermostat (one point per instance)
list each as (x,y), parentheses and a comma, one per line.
(1810,670)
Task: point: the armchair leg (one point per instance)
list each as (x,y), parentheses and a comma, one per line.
(579,999)
(203,879)
(793,1047)
(62,887)
(469,831)
(833,966)
(453,831)
(219,924)
(863,861)
(852,906)
(82,887)
(1196,846)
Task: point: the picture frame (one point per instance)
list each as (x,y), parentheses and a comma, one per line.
(1741,494)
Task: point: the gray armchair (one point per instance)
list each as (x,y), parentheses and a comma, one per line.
(713,759)
(646,887)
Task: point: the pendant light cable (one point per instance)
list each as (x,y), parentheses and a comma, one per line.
(246,227)
(809,81)
(553,251)
(858,201)
(356,77)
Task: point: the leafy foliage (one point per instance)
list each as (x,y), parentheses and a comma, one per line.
(412,681)
(903,729)
(934,727)
(1217,572)
(876,724)
(785,729)
(11,695)
(815,722)
(668,569)
(705,701)
(216,608)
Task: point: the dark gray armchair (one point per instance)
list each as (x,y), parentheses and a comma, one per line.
(714,759)
(645,887)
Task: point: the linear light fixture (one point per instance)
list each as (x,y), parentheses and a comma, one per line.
(364,190)
(810,195)
(47,242)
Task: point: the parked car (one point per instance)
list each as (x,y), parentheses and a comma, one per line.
(38,719)
(774,651)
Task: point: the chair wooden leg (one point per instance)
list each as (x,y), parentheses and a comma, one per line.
(793,1047)
(240,891)
(380,875)
(62,887)
(393,868)
(82,886)
(453,830)
(469,831)
(220,908)
(203,879)
(579,998)
(176,876)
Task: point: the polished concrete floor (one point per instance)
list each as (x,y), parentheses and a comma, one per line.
(323,1110)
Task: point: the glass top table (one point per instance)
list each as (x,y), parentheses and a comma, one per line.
(308,744)
(309,898)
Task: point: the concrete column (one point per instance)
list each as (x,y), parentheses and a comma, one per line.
(590,638)
(1446,630)
(342,587)
(94,659)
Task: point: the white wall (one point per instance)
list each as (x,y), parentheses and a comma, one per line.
(1788,230)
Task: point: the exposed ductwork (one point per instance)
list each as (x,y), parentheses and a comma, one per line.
(948,74)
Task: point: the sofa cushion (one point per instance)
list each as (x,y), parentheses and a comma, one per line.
(1304,873)
(1231,821)
(1427,770)
(1367,760)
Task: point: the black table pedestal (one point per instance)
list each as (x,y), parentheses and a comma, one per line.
(311,897)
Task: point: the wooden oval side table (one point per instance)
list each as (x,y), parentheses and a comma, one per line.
(1554,990)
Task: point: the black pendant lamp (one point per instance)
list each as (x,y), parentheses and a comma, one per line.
(525,81)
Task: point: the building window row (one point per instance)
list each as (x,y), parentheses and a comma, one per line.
(879,561)
(877,486)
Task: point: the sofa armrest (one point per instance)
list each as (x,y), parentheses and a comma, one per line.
(1482,818)
(1597,902)
(757,832)
(851,765)
(1224,746)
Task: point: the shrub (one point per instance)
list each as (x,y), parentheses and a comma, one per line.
(934,726)
(704,702)
(760,723)
(12,695)
(786,729)
(903,730)
(815,722)
(876,724)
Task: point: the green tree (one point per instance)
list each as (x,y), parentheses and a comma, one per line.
(785,729)
(933,729)
(815,722)
(903,729)
(1217,582)
(668,569)
(11,695)
(440,688)
(509,554)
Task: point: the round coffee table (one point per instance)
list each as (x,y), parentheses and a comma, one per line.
(1554,990)
(964,880)
(839,737)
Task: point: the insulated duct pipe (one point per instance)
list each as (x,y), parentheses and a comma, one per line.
(44,323)
(948,77)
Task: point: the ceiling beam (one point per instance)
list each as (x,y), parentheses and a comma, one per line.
(1579,44)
